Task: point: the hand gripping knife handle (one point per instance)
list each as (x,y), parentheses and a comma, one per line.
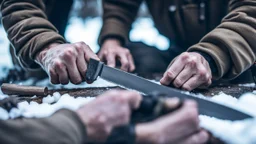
(151,107)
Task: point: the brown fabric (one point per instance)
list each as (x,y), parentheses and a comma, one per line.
(63,127)
(28,28)
(230,40)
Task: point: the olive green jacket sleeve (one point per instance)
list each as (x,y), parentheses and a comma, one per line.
(63,127)
(232,44)
(28,29)
(117,19)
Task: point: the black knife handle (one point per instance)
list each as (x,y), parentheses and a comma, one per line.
(151,107)
(93,70)
(122,135)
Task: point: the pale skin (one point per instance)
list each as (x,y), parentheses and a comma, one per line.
(66,63)
(112,51)
(114,108)
(188,71)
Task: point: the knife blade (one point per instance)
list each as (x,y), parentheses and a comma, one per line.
(130,81)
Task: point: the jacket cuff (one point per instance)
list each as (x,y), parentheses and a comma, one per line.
(73,124)
(219,57)
(113,28)
(34,46)
(210,61)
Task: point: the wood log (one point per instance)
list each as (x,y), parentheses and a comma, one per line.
(13,89)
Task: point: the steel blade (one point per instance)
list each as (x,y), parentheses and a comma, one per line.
(205,106)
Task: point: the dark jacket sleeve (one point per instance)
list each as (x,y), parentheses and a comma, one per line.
(232,44)
(117,18)
(63,127)
(28,29)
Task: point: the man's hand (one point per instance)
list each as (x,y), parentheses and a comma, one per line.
(66,62)
(190,70)
(111,51)
(179,127)
(110,110)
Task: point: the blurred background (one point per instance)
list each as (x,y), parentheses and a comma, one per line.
(85,24)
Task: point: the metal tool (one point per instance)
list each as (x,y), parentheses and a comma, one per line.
(206,106)
(253,69)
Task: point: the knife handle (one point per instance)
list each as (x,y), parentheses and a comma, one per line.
(93,71)
(151,107)
(13,89)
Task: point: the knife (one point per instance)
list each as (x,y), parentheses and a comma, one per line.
(130,81)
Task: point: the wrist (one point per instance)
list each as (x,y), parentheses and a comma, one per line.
(40,55)
(210,61)
(112,41)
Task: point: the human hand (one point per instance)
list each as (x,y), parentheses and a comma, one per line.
(111,51)
(189,70)
(110,110)
(66,62)
(179,127)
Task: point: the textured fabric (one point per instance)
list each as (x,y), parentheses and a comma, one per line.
(63,127)
(230,41)
(28,29)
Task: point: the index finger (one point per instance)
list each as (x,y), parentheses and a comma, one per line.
(89,53)
(172,103)
(173,71)
(134,98)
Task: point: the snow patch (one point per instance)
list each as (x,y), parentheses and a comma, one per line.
(248,85)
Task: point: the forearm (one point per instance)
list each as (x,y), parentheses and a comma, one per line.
(63,127)
(117,19)
(232,45)
(28,29)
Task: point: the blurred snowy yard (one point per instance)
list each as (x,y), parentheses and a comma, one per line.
(88,31)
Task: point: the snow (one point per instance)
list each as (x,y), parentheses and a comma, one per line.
(248,85)
(49,99)
(237,132)
(35,110)
(233,132)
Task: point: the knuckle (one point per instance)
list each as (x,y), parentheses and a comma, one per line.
(192,61)
(52,72)
(80,44)
(126,51)
(202,72)
(69,53)
(122,99)
(177,82)
(58,64)
(185,56)
(170,74)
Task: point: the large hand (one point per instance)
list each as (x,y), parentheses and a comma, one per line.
(110,110)
(66,62)
(179,127)
(111,50)
(188,71)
